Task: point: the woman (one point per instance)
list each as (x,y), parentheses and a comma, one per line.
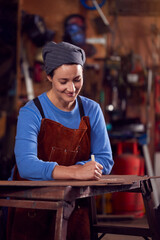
(58,131)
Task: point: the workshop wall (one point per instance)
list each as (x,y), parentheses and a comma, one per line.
(129,34)
(139,36)
(54,14)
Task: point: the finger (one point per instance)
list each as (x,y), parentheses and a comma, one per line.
(93,159)
(97,176)
(99,170)
(98,173)
(99,166)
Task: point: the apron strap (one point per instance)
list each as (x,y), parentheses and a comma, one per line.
(39,106)
(81,109)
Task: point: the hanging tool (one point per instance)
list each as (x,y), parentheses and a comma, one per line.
(100,12)
(28,80)
(97,7)
(83,2)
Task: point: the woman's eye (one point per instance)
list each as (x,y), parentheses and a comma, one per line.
(63,82)
(77,80)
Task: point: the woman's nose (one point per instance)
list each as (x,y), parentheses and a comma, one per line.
(71,87)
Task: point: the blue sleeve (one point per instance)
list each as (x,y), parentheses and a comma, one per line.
(29,166)
(100,143)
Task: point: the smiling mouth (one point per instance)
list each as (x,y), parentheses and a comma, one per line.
(71,94)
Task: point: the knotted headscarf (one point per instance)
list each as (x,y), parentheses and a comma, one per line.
(57,54)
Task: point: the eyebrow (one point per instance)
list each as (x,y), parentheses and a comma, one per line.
(63,79)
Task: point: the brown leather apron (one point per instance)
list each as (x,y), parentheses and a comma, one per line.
(65,146)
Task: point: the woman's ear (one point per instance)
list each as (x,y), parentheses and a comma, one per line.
(49,78)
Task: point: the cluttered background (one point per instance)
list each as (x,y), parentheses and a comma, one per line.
(121,39)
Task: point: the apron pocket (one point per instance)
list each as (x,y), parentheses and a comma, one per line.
(63,156)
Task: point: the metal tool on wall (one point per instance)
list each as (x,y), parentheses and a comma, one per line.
(98,8)
(101,23)
(27,77)
(34,27)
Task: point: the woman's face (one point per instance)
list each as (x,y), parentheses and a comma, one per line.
(67,82)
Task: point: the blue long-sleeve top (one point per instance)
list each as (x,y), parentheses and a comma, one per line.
(28,127)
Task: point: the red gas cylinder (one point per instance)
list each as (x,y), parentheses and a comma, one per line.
(128,164)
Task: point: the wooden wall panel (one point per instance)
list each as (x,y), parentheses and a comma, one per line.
(136,34)
(54,14)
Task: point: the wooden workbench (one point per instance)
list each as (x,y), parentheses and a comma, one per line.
(59,195)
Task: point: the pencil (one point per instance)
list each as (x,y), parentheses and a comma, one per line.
(92,157)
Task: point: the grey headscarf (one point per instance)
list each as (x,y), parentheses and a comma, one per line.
(57,54)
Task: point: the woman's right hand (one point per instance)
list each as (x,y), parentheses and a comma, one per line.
(92,170)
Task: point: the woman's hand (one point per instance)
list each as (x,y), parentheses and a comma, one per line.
(92,170)
(89,171)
